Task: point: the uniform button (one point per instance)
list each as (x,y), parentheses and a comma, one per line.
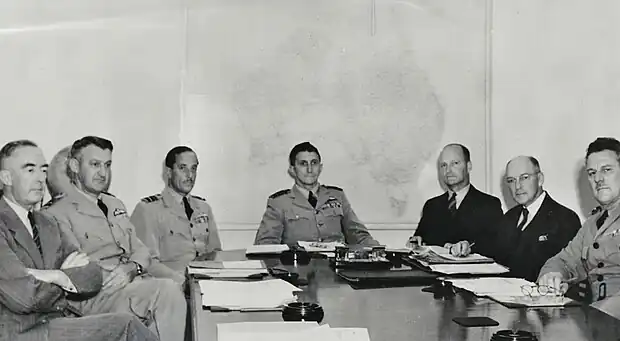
(59,308)
(110,224)
(600,265)
(194,239)
(44,320)
(316,211)
(599,278)
(595,245)
(320,239)
(191,225)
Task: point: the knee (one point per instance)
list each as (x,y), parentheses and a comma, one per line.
(170,290)
(125,319)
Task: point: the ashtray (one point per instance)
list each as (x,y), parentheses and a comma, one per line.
(513,335)
(295,257)
(302,311)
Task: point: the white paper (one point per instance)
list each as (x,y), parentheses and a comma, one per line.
(246,295)
(226,273)
(286,331)
(472,269)
(493,285)
(445,253)
(267,248)
(319,246)
(242,264)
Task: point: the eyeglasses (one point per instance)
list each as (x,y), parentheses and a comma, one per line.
(523,177)
(533,291)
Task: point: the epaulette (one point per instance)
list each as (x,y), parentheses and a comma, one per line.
(108,193)
(334,187)
(596,210)
(54,200)
(152,198)
(280,193)
(199,198)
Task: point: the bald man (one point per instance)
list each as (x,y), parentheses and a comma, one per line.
(58,182)
(536,228)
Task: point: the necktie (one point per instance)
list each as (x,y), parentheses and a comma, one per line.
(452,204)
(188,208)
(102,207)
(521,225)
(601,220)
(312,199)
(35,232)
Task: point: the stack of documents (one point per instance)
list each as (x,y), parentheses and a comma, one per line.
(259,295)
(439,259)
(509,291)
(319,246)
(287,331)
(233,269)
(267,249)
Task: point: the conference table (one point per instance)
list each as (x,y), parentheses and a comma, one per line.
(408,312)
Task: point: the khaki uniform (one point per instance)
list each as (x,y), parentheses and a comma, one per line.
(112,240)
(289,218)
(593,255)
(161,223)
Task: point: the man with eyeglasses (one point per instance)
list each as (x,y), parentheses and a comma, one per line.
(97,221)
(537,228)
(310,211)
(462,215)
(593,256)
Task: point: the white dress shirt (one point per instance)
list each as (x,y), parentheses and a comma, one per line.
(22,213)
(532,210)
(460,195)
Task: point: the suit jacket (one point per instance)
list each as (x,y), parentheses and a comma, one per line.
(474,221)
(27,304)
(525,252)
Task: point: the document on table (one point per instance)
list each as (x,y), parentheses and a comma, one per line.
(319,246)
(472,269)
(434,254)
(232,269)
(233,295)
(266,249)
(286,331)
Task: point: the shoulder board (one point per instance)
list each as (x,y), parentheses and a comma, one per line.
(334,188)
(108,193)
(199,198)
(280,193)
(54,200)
(151,198)
(596,210)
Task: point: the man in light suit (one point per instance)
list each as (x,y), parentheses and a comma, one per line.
(535,229)
(40,271)
(463,214)
(97,221)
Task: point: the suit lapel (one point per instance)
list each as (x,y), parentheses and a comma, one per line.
(468,201)
(20,233)
(49,241)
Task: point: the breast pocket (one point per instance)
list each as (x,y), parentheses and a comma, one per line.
(298,227)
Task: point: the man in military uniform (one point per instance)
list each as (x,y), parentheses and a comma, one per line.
(594,254)
(98,222)
(310,211)
(176,226)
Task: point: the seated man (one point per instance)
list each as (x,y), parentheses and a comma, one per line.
(176,226)
(462,215)
(41,272)
(537,228)
(98,222)
(309,211)
(593,254)
(58,182)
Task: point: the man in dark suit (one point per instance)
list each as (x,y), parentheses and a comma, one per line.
(40,272)
(535,229)
(462,215)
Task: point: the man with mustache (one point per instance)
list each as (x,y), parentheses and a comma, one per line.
(41,272)
(537,228)
(176,226)
(98,222)
(593,256)
(310,211)
(462,215)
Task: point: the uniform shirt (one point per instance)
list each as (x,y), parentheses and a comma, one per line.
(110,240)
(161,223)
(289,218)
(593,255)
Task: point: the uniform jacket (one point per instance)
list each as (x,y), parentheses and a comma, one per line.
(161,223)
(27,304)
(289,218)
(593,255)
(475,220)
(525,252)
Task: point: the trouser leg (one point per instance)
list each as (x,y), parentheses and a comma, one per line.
(101,327)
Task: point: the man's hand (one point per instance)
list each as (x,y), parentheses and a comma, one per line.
(120,276)
(75,260)
(460,249)
(555,281)
(414,242)
(54,277)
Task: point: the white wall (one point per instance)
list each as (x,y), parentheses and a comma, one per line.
(379,89)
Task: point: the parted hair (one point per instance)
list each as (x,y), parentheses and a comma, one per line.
(302,147)
(8,149)
(604,143)
(171,157)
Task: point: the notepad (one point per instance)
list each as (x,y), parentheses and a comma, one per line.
(246,295)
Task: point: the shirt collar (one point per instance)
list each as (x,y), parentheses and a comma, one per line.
(535,206)
(178,198)
(21,212)
(460,194)
(306,192)
(89,197)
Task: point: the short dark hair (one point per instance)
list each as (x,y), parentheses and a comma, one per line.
(9,148)
(302,147)
(86,141)
(604,143)
(466,154)
(171,157)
